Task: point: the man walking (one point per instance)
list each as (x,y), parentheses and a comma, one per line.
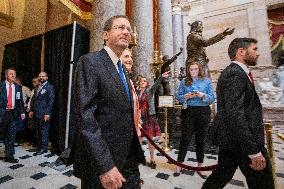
(107,152)
(41,109)
(239,122)
(11,109)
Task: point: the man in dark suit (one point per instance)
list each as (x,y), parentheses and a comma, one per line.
(11,109)
(107,152)
(41,109)
(239,121)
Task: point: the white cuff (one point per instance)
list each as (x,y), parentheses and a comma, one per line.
(255,155)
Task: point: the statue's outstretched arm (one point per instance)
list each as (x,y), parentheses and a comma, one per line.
(171,60)
(198,39)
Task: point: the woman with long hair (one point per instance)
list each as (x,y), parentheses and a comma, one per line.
(148,113)
(197,93)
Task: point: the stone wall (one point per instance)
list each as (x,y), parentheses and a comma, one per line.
(220,14)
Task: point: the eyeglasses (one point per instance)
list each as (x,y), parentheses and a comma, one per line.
(121,28)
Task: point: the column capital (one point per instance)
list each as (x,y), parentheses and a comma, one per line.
(176,9)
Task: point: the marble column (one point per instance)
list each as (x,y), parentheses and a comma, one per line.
(103,10)
(166,34)
(177,35)
(177,42)
(262,33)
(142,19)
(165,28)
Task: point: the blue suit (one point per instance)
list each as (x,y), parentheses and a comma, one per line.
(9,119)
(42,104)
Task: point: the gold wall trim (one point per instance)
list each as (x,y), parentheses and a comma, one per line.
(280,40)
(6,20)
(276,22)
(76,10)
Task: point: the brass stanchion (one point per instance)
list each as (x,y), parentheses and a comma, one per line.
(166,147)
(281,136)
(268,132)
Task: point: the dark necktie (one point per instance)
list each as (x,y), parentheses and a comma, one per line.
(10,104)
(121,74)
(251,78)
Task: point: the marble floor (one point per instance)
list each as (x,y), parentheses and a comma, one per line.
(34,172)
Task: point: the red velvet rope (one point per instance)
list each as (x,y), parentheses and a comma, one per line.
(171,160)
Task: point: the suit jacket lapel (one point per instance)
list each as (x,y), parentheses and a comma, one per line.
(113,72)
(244,74)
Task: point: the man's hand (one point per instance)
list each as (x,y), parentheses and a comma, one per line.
(166,74)
(46,118)
(23,116)
(258,163)
(31,114)
(112,179)
(228,31)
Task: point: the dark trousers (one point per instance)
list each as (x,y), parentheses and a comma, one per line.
(194,119)
(42,128)
(130,172)
(10,130)
(228,162)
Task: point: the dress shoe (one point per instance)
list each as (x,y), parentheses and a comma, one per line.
(11,159)
(42,151)
(201,175)
(177,173)
(152,165)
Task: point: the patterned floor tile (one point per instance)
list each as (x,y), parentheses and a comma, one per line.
(25,157)
(187,172)
(44,164)
(38,176)
(16,166)
(192,159)
(5,179)
(237,183)
(163,176)
(211,157)
(49,155)
(31,150)
(69,186)
(68,173)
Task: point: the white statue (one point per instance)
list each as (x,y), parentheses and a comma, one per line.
(269,94)
(279,77)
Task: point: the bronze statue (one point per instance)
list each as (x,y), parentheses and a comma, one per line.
(196,44)
(166,67)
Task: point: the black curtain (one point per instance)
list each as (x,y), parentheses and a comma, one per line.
(57,63)
(24,56)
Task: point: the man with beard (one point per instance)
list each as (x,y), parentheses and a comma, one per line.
(41,109)
(239,122)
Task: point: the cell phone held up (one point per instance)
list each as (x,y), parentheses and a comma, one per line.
(194,91)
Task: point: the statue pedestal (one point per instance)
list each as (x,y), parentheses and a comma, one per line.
(275,114)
